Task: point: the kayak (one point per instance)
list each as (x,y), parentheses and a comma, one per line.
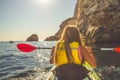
(50,75)
(91,76)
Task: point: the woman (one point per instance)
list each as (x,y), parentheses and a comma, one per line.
(69,49)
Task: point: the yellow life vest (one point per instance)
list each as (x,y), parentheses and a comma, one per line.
(61,57)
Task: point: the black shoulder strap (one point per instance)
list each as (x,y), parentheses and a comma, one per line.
(82,60)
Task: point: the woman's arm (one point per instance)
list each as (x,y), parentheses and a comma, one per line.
(52,55)
(89,57)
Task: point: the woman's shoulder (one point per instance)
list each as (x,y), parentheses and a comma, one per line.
(82,47)
(60,43)
(87,48)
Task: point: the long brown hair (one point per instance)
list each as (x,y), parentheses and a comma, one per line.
(69,35)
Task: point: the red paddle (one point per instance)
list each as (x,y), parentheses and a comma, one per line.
(28,48)
(25,47)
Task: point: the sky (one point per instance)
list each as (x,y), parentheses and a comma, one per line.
(21,18)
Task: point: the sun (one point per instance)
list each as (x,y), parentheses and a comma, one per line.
(43,1)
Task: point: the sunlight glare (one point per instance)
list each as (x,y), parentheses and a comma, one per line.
(43,1)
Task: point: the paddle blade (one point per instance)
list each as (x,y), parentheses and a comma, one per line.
(117,49)
(25,47)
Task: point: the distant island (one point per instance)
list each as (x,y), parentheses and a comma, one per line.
(11,41)
(33,37)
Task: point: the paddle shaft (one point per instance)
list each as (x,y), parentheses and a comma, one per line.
(28,48)
(100,49)
(103,49)
(43,48)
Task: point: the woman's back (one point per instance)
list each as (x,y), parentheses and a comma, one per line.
(61,57)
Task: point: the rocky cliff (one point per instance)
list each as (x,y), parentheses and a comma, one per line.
(98,20)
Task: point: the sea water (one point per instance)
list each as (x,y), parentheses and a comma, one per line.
(17,65)
(30,66)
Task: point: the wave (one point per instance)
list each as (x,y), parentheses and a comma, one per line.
(28,75)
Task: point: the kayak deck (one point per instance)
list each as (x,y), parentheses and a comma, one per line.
(92,75)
